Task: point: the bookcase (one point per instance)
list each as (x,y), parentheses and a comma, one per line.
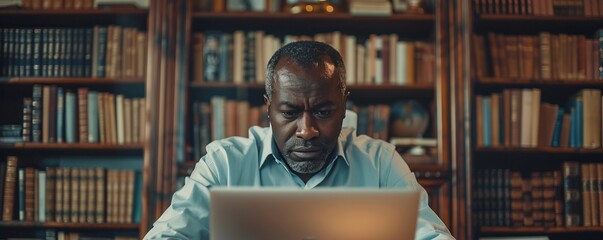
(530,89)
(220,97)
(73,118)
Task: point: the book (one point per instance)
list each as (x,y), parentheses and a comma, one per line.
(26,129)
(10,185)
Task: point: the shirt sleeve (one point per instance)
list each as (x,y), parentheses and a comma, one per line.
(397,174)
(187,217)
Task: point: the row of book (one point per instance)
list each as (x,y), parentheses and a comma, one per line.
(57,4)
(52,234)
(271,6)
(69,195)
(110,52)
(222,117)
(242,57)
(544,57)
(57,115)
(540,7)
(572,196)
(373,120)
(518,118)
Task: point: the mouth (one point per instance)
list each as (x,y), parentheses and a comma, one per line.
(306,154)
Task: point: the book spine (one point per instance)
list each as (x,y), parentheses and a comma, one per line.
(600,51)
(50,191)
(87,61)
(29,194)
(21,196)
(37,55)
(41,196)
(70,117)
(93,117)
(557,128)
(82,113)
(572,195)
(10,180)
(26,129)
(60,114)
(26,49)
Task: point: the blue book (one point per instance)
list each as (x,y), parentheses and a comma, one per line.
(36,114)
(573,125)
(225,50)
(137,208)
(101,49)
(487,126)
(60,114)
(70,117)
(36,51)
(87,63)
(93,117)
(211,57)
(21,194)
(557,128)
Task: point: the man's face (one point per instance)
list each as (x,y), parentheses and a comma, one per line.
(306,113)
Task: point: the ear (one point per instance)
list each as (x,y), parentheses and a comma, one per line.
(267,102)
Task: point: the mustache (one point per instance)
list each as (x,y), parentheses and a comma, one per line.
(301,145)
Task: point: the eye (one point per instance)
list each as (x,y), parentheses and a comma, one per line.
(290,114)
(323,114)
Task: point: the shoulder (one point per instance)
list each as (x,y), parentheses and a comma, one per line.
(238,147)
(365,144)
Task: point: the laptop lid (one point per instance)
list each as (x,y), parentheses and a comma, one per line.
(318,214)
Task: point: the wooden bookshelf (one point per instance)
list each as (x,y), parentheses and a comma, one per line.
(73,12)
(72,81)
(71,226)
(509,23)
(540,230)
(505,82)
(74,146)
(549,150)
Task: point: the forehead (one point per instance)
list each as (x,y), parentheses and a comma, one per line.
(318,78)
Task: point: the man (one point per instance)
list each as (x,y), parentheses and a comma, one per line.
(305,147)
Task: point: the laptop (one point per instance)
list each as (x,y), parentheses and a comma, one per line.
(318,214)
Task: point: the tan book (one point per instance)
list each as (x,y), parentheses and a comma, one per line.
(535,117)
(66,201)
(116,200)
(230,116)
(59,195)
(112,118)
(581,60)
(109,69)
(82,110)
(238,44)
(548,116)
(143,120)
(109,201)
(92,196)
(496,124)
(117,49)
(596,118)
(141,54)
(587,134)
(100,195)
(75,195)
(47,4)
(565,130)
(51,175)
(198,41)
(516,117)
(10,181)
(135,121)
(37,201)
(119,119)
(46,114)
(526,117)
(588,57)
(506,95)
(127,121)
(102,134)
(29,194)
(83,192)
(131,181)
(242,116)
(586,192)
(123,198)
(479,119)
(545,56)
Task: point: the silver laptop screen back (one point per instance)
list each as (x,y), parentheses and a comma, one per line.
(330,214)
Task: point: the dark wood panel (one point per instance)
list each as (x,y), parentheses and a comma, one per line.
(416,25)
(438,191)
(533,24)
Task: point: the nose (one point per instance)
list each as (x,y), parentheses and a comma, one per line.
(306,127)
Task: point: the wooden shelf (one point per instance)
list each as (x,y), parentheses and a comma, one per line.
(410,24)
(538,150)
(508,23)
(539,230)
(508,82)
(73,12)
(26,18)
(72,146)
(72,81)
(209,85)
(108,226)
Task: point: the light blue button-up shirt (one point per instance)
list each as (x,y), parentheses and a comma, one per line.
(359,161)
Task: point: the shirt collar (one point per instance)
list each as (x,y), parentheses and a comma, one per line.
(269,148)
